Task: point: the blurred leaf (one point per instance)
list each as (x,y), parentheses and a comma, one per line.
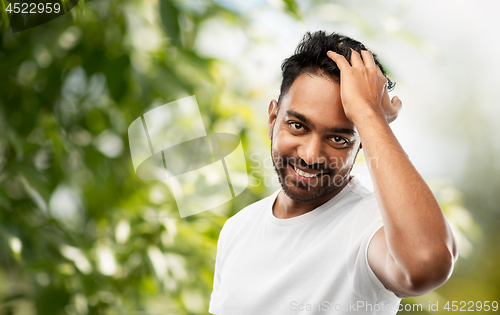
(170,19)
(292,7)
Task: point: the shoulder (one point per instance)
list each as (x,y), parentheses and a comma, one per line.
(360,197)
(250,213)
(253,210)
(365,196)
(365,208)
(366,212)
(359,190)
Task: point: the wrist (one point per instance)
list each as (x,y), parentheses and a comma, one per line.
(368,114)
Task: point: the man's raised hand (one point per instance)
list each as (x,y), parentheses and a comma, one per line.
(364,87)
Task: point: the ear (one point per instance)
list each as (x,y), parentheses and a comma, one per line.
(272,112)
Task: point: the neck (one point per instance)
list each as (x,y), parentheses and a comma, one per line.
(285,207)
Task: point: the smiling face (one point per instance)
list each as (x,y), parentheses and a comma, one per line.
(313,144)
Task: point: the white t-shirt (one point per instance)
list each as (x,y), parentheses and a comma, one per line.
(315,263)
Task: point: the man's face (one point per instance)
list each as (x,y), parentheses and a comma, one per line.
(313,144)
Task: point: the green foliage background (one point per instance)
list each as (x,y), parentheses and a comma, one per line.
(119,246)
(65,83)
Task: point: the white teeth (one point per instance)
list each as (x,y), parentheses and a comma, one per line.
(302,173)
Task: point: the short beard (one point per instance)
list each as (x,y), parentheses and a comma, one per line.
(313,195)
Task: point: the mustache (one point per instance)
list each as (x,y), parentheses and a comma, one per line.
(300,163)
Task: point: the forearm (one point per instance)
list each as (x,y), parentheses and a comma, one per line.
(416,231)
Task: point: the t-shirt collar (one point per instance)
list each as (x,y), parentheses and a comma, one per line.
(311,214)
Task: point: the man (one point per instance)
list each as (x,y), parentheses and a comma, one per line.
(323,243)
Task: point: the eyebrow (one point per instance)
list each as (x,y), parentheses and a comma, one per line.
(306,120)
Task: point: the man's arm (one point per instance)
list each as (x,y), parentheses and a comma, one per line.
(415,250)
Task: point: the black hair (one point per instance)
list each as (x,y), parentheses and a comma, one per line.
(310,57)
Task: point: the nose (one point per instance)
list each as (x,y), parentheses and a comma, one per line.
(311,151)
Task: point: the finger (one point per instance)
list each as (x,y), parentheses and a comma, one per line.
(368,59)
(381,76)
(396,103)
(339,60)
(395,107)
(356,60)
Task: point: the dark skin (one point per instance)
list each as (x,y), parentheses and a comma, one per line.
(415,251)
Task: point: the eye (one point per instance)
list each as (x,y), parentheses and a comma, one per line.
(296,125)
(339,140)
